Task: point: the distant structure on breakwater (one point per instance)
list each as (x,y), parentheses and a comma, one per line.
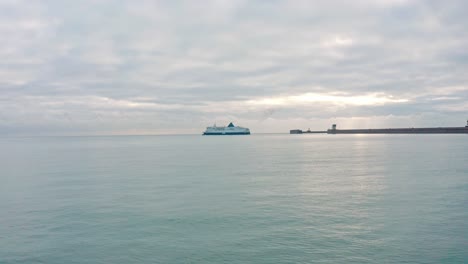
(298,131)
(412,130)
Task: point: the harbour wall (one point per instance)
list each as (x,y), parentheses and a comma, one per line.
(424,130)
(427,130)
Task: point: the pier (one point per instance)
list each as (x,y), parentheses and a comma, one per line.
(412,130)
(298,131)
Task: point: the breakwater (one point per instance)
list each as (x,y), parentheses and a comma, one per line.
(298,131)
(412,130)
(428,130)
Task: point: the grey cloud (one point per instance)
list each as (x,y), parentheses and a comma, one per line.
(203,62)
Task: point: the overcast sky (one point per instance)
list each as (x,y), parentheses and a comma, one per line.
(158,67)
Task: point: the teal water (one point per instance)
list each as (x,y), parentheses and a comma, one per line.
(240,199)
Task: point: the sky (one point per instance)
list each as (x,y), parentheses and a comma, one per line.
(115,67)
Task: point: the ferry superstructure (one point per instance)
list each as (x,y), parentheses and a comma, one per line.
(231,129)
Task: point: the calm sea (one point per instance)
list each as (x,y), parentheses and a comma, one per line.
(240,199)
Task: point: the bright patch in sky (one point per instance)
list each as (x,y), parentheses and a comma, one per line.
(356,100)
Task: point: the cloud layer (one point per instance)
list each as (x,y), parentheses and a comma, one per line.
(119,67)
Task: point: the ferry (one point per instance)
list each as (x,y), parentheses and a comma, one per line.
(231,129)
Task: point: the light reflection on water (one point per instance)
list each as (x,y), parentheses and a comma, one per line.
(256,199)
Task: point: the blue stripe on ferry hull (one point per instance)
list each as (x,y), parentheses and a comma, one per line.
(226,134)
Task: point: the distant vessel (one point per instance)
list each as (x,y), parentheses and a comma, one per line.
(231,129)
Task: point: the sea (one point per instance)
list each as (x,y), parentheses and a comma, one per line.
(263,198)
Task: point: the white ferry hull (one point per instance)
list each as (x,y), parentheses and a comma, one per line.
(225,133)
